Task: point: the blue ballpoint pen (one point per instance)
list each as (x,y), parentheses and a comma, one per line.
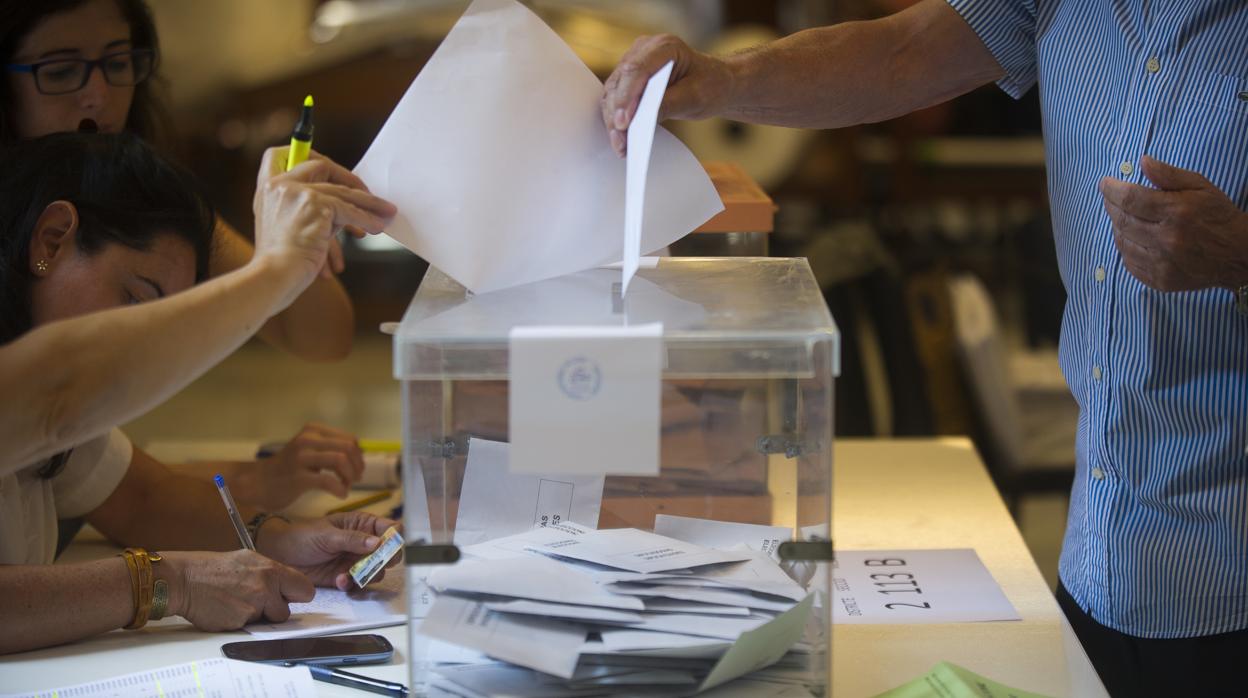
(235,517)
(346,678)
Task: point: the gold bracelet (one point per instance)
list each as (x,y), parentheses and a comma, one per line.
(141,583)
(133,568)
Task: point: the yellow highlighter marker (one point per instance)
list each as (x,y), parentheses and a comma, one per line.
(301,138)
(380,446)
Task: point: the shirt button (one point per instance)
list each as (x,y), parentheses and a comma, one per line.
(1099,274)
(1098,473)
(1153,65)
(1126,168)
(1096,371)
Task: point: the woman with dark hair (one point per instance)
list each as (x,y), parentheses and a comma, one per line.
(101,246)
(92,65)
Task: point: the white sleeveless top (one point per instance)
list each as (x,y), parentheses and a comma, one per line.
(30,504)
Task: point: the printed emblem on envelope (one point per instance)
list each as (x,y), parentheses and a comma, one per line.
(580,378)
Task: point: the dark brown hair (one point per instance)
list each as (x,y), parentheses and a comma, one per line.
(147,117)
(126,194)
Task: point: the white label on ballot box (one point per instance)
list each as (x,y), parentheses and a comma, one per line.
(585,400)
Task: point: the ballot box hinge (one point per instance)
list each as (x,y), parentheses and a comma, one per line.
(791,445)
(814,550)
(419,553)
(445,448)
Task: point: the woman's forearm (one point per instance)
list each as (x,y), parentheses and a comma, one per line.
(317,326)
(44,605)
(69,381)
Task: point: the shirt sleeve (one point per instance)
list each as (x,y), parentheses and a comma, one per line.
(1008,30)
(94,470)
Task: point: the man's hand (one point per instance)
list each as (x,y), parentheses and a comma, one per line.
(1184,235)
(699,87)
(324,549)
(225,591)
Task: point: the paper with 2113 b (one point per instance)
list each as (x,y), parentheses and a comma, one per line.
(915,586)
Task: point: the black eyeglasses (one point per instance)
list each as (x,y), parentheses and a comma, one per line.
(64,75)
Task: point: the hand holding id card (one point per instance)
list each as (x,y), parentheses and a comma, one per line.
(369,565)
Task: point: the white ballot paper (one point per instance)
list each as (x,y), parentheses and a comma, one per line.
(636,551)
(723,534)
(762,646)
(915,586)
(332,611)
(640,138)
(218,677)
(501,167)
(549,646)
(496,503)
(532,577)
(585,400)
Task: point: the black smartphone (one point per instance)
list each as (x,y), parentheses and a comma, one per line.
(332,650)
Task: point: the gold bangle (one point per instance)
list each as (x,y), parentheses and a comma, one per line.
(133,568)
(141,583)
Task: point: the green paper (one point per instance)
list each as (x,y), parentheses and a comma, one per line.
(947,680)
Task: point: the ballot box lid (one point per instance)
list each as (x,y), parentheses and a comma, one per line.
(733,317)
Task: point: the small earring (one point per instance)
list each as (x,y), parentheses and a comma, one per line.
(41,266)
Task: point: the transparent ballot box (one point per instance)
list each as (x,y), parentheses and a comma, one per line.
(620,495)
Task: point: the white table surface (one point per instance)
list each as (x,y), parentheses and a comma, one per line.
(889,494)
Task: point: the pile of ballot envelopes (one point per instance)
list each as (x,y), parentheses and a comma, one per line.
(566,610)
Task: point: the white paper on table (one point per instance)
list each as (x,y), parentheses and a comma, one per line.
(636,551)
(495,502)
(226,678)
(382,604)
(723,534)
(547,646)
(532,577)
(915,586)
(501,167)
(585,400)
(640,138)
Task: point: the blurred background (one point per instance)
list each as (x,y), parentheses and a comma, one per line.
(929,233)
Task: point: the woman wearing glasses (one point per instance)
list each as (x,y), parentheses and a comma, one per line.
(89,65)
(73,65)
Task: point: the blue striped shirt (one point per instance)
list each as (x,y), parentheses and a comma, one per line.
(1157,537)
